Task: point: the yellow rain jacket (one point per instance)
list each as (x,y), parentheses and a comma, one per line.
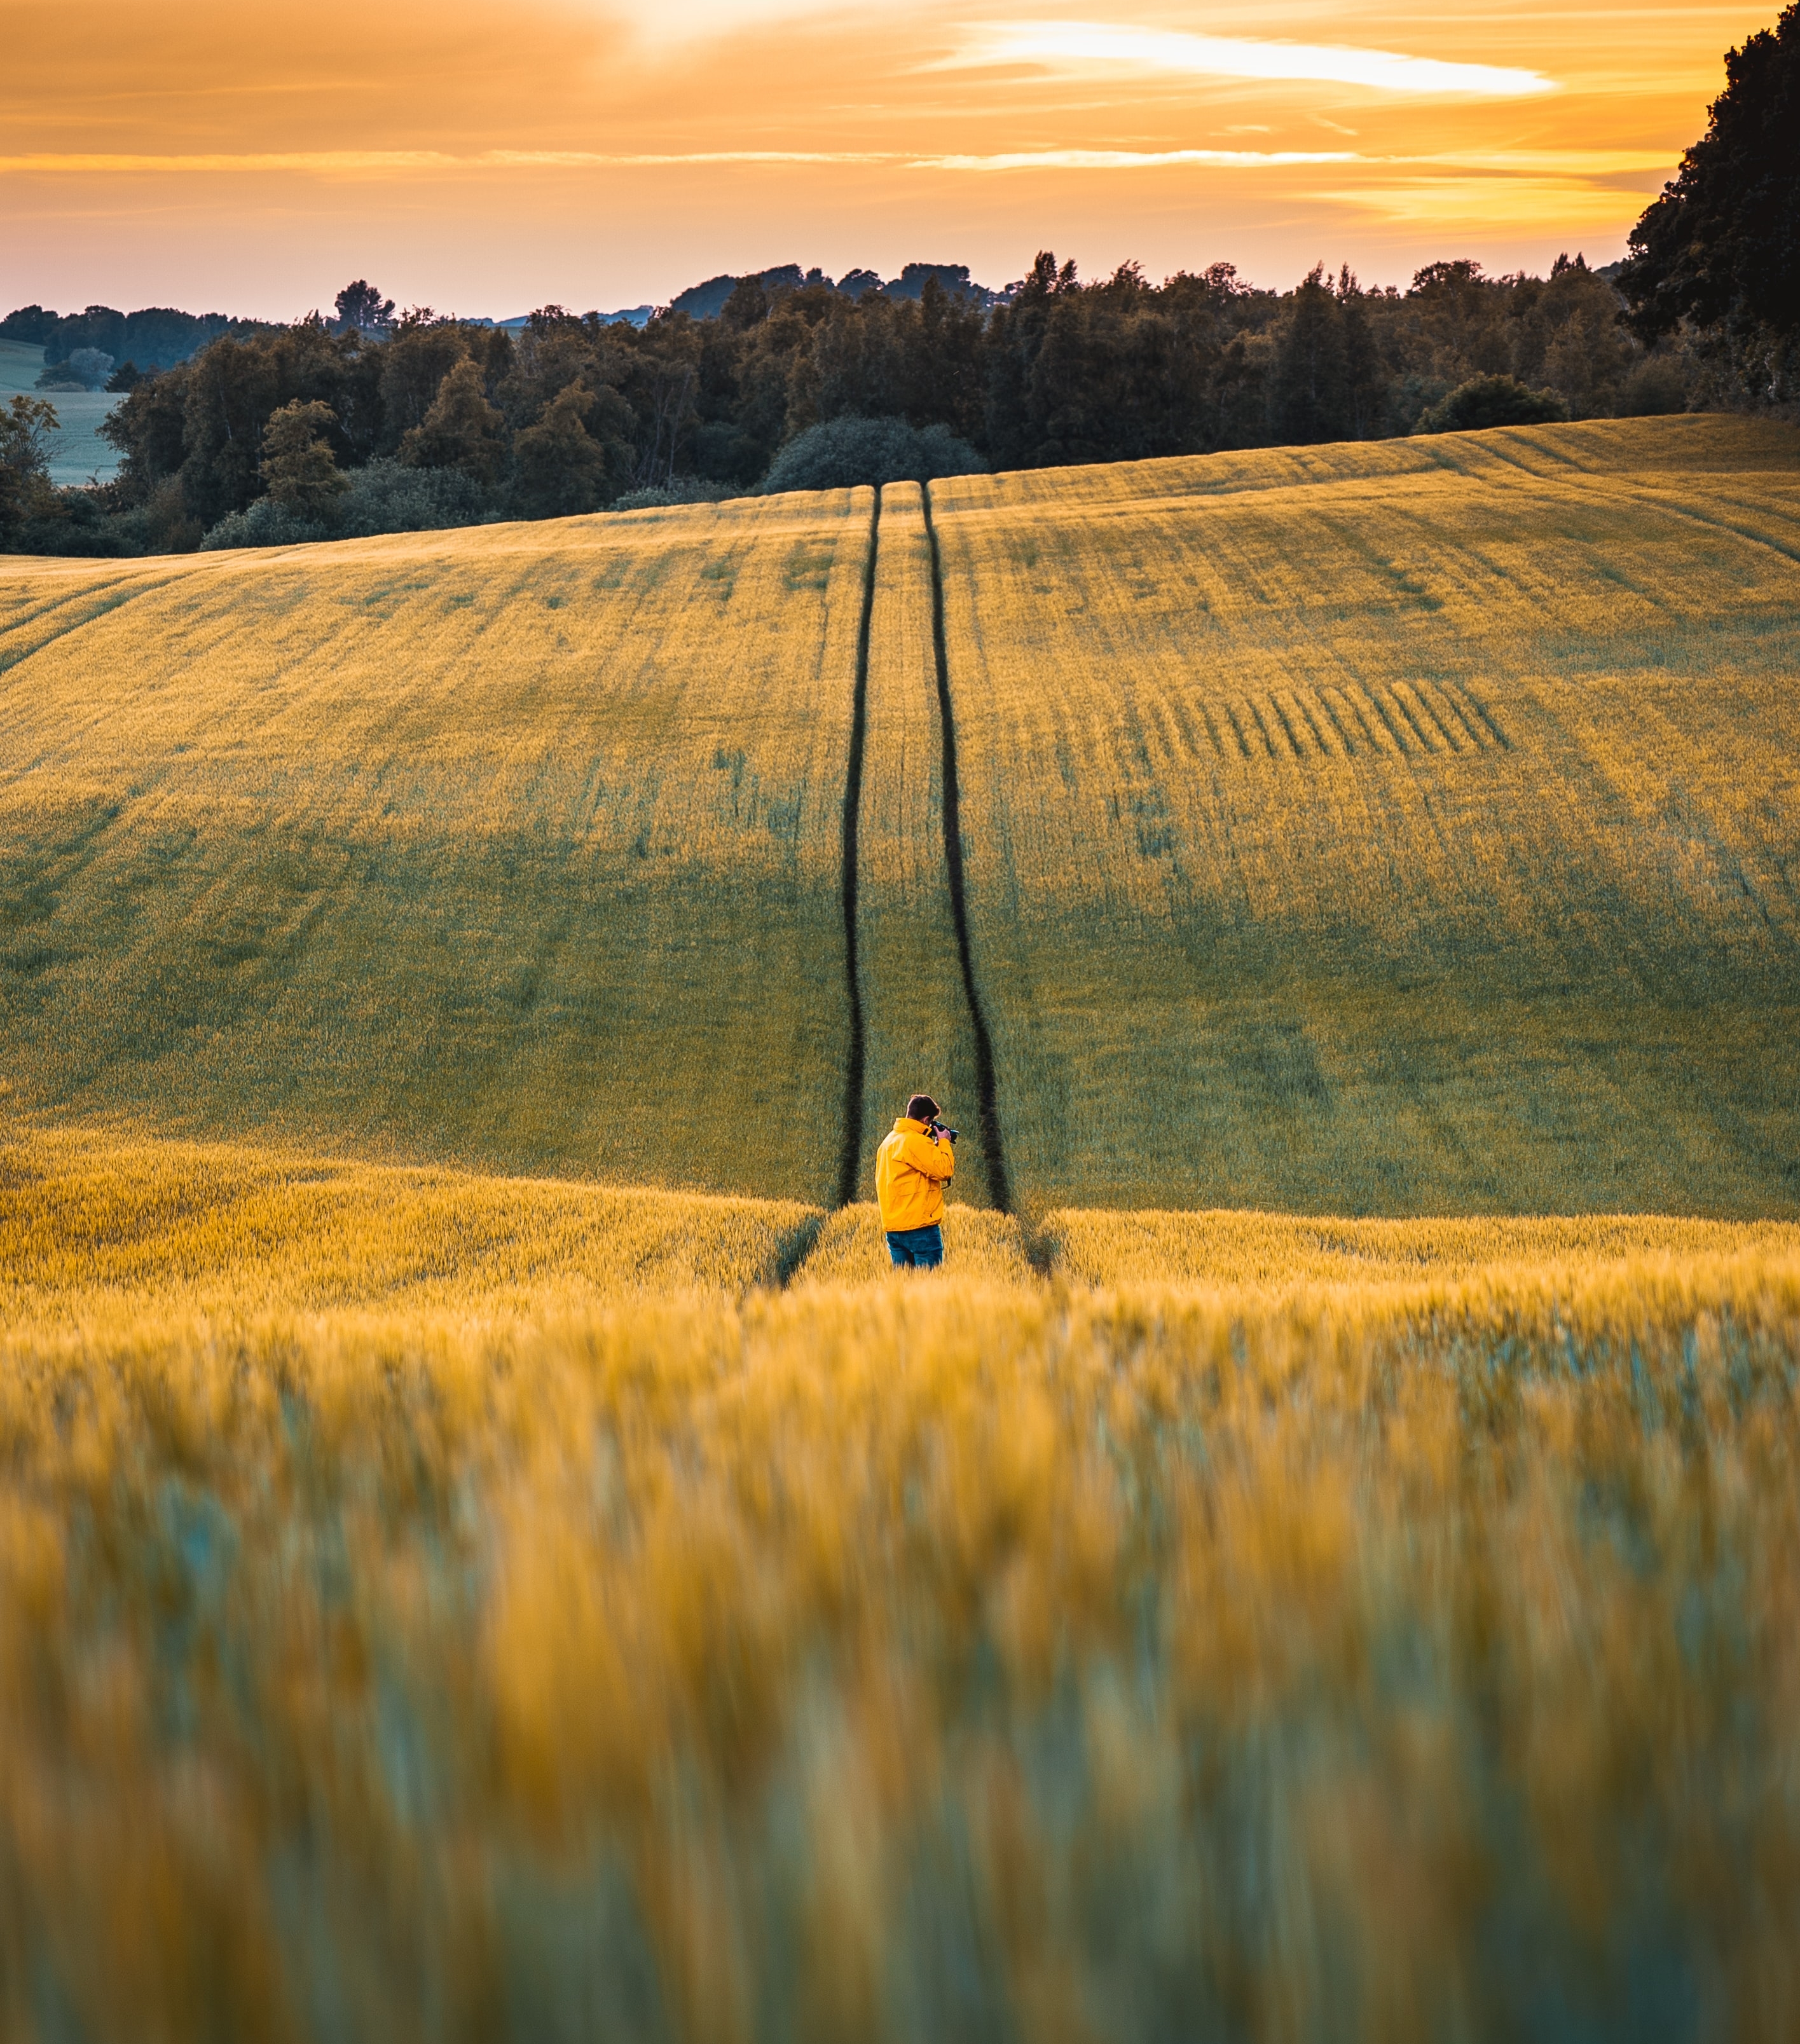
(910,1174)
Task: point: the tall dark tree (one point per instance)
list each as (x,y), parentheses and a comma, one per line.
(576,457)
(413,365)
(1309,393)
(1012,423)
(461,430)
(148,430)
(298,469)
(1721,247)
(361,306)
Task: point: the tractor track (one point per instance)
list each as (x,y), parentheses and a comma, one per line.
(850,1158)
(987,1096)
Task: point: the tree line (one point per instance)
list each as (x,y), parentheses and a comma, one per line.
(573,413)
(155,338)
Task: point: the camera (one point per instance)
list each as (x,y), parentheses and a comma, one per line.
(943,1128)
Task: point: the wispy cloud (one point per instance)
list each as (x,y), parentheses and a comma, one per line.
(1082,46)
(362,162)
(1441,201)
(1135,159)
(658,21)
(351,162)
(1569,163)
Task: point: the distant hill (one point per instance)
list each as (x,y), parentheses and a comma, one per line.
(157,337)
(707,301)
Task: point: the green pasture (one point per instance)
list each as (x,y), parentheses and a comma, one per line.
(78,455)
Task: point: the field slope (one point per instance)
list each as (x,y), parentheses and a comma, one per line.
(1394,829)
(517,846)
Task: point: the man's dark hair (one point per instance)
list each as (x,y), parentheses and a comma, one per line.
(921,1107)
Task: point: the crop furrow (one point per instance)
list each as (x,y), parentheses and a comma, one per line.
(986,1086)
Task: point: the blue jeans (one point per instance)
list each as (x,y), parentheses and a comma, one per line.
(916,1248)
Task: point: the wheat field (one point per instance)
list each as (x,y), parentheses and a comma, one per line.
(112,1223)
(514,846)
(424,1614)
(1409,829)
(1399,829)
(490,1549)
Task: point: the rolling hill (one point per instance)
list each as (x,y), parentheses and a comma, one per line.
(516,846)
(1384,829)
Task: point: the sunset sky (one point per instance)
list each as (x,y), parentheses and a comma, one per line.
(485,157)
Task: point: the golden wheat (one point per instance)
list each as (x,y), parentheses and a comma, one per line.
(432,1604)
(914,1660)
(99,1225)
(1382,829)
(1392,829)
(1286,1253)
(516,846)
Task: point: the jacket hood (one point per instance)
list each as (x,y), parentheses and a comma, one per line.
(906,1126)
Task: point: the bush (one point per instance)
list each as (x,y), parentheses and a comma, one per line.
(1653,389)
(75,538)
(59,376)
(840,453)
(681,489)
(93,366)
(162,523)
(265,523)
(385,497)
(72,522)
(1492,401)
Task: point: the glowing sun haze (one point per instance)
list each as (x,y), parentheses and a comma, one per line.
(485,157)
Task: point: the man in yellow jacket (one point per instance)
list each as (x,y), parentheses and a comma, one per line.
(916,1161)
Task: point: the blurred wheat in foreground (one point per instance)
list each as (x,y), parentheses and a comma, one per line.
(987,1658)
